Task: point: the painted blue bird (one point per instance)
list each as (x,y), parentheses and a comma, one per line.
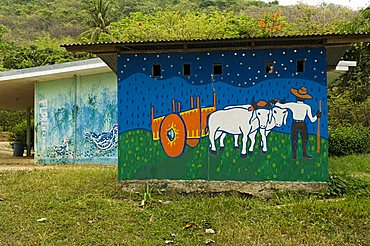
(105,140)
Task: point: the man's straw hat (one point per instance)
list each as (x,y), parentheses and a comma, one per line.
(301,93)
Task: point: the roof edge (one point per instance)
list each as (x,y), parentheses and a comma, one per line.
(52,70)
(251,43)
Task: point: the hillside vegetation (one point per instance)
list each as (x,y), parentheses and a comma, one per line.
(32,31)
(30,20)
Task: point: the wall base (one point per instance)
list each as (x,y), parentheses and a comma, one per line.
(260,189)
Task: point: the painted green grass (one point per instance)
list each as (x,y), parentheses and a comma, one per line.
(142,158)
(84,205)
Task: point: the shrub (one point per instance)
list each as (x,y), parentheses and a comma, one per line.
(19,132)
(345,140)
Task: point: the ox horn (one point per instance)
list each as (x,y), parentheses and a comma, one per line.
(268,104)
(254,104)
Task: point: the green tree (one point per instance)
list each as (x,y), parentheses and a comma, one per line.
(24,57)
(177,25)
(349,95)
(323,19)
(98,22)
(8,119)
(271,24)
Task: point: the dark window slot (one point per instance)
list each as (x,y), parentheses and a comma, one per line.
(300,66)
(156,70)
(217,69)
(186,69)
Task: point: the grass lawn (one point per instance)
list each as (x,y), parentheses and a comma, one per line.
(83,205)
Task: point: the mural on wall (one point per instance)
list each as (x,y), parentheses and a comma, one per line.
(77,122)
(276,117)
(244,116)
(300,111)
(104,141)
(62,151)
(177,129)
(242,120)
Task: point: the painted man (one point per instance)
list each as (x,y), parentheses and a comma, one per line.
(300,111)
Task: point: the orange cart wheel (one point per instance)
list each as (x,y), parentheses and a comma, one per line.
(192,142)
(172,135)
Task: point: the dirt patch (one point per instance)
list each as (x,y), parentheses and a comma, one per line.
(17,161)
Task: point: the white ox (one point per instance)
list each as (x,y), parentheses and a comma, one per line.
(277,118)
(237,121)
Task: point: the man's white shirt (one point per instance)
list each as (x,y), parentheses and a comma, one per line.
(299,110)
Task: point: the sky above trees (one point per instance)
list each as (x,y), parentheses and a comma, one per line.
(354,4)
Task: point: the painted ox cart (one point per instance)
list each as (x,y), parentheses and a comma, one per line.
(179,128)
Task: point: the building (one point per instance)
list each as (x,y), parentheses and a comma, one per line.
(75,110)
(221,110)
(229,109)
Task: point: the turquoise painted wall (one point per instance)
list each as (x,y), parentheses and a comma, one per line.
(76,120)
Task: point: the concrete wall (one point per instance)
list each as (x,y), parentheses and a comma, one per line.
(76,120)
(166,132)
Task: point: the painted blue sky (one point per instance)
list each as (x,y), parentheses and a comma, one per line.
(243,77)
(240,68)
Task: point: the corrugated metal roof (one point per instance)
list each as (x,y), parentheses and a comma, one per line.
(271,38)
